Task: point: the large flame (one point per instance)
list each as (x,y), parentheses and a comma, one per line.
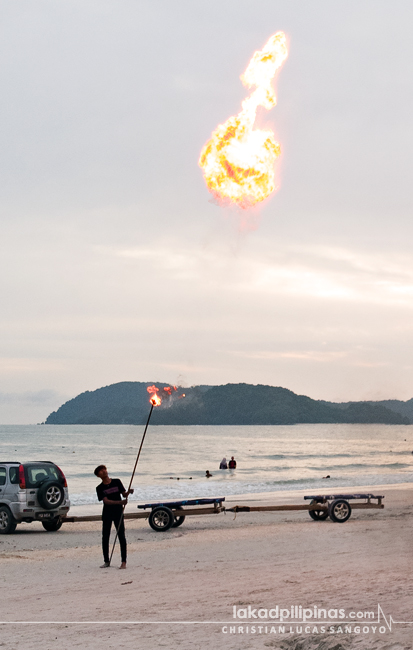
(238,161)
(156,399)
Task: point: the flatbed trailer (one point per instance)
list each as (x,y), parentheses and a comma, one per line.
(164,515)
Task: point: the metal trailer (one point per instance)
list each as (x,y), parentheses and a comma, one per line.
(171,514)
(175,507)
(166,515)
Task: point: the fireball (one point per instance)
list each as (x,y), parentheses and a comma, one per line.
(238,161)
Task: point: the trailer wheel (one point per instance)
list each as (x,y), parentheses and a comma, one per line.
(161,518)
(53,525)
(339,511)
(317,515)
(178,521)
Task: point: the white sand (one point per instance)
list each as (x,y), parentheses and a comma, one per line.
(199,571)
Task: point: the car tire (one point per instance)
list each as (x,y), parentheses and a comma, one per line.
(53,525)
(7,521)
(178,521)
(317,515)
(161,519)
(339,511)
(50,495)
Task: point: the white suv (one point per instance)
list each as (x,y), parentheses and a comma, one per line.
(34,491)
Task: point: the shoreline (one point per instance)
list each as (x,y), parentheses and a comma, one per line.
(264,497)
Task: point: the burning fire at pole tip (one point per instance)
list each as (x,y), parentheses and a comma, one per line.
(238,161)
(156,399)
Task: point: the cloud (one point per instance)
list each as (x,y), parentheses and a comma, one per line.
(325,273)
(45,397)
(303,355)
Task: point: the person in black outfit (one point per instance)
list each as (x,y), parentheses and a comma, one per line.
(110,491)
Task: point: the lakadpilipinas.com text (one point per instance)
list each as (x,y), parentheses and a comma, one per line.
(297,619)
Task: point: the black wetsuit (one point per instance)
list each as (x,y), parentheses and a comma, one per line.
(112,513)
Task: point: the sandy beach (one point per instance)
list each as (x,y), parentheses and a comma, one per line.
(181,586)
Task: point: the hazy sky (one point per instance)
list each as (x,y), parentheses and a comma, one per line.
(116,264)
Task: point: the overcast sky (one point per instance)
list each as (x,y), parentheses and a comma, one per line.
(116,265)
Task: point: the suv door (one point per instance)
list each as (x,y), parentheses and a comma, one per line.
(3,480)
(11,489)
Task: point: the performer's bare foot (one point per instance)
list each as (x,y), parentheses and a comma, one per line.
(123,565)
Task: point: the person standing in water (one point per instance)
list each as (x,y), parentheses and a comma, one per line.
(110,491)
(223,464)
(232,463)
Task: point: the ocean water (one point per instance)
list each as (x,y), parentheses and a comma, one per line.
(269,458)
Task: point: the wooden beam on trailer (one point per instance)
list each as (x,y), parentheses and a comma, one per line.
(197,511)
(316,506)
(366,505)
(130,515)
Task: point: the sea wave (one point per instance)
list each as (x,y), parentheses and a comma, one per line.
(377,452)
(208,489)
(362,466)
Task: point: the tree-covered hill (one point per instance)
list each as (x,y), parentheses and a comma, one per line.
(128,403)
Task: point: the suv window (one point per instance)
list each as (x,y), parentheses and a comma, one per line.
(3,476)
(14,474)
(37,473)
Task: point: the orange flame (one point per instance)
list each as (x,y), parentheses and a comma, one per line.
(155,400)
(238,161)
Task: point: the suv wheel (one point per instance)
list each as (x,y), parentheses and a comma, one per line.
(50,495)
(7,521)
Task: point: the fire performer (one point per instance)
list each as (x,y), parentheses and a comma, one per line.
(110,491)
(115,489)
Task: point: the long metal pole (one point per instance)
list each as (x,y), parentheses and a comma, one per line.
(131,479)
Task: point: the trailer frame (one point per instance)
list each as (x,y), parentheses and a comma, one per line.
(164,515)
